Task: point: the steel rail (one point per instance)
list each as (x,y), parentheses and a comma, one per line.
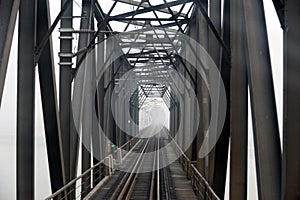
(135,178)
(129,175)
(158,174)
(151,195)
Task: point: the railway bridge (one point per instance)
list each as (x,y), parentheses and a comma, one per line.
(151,99)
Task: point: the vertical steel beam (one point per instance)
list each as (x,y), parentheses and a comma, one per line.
(49,99)
(69,139)
(215,16)
(199,26)
(112,85)
(87,121)
(177,118)
(181,124)
(192,32)
(84,40)
(95,135)
(214,51)
(187,114)
(171,123)
(8,14)
(264,116)
(99,100)
(202,38)
(189,125)
(221,149)
(107,120)
(100,92)
(239,103)
(25,100)
(291,137)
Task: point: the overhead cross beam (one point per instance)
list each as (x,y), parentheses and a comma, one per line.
(136,3)
(152,8)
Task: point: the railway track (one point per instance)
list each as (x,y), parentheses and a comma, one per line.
(145,179)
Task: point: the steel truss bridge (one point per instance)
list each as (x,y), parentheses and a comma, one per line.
(117,57)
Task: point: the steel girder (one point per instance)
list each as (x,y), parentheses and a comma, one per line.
(263,106)
(8,15)
(136,3)
(221,148)
(49,100)
(279,7)
(25,100)
(69,137)
(291,115)
(239,102)
(84,40)
(201,37)
(152,8)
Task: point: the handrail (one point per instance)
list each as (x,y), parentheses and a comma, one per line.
(74,180)
(85,173)
(195,170)
(194,174)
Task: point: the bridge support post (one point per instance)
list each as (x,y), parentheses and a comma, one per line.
(238,98)
(266,134)
(214,51)
(85,79)
(201,37)
(8,15)
(49,100)
(291,137)
(69,138)
(219,164)
(25,100)
(100,99)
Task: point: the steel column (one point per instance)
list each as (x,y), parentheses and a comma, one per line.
(291,137)
(84,40)
(49,99)
(100,92)
(69,138)
(264,116)
(87,123)
(25,100)
(215,16)
(108,88)
(239,102)
(8,14)
(221,149)
(95,123)
(214,51)
(202,38)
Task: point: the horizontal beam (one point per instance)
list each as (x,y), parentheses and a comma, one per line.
(136,3)
(152,8)
(167,25)
(140,19)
